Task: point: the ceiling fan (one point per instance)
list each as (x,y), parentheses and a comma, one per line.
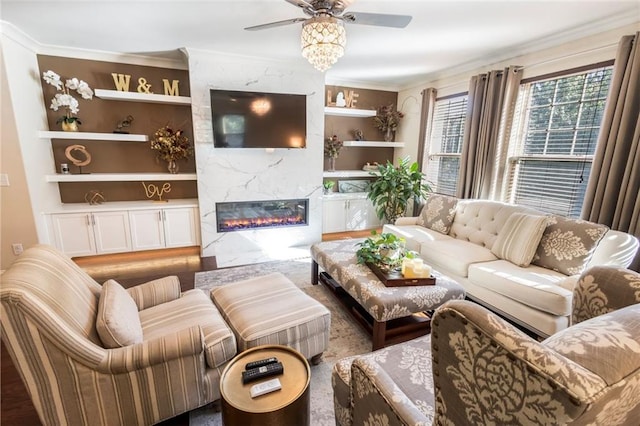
(323,34)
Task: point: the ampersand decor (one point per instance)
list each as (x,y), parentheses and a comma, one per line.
(143,87)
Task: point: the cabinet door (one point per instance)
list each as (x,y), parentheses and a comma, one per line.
(147,229)
(334,216)
(181,227)
(372,218)
(357,214)
(112,231)
(73,234)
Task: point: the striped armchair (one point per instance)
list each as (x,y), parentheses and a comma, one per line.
(49,308)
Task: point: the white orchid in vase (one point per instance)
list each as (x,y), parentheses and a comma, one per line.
(64,98)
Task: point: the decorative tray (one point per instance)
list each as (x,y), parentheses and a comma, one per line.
(395,279)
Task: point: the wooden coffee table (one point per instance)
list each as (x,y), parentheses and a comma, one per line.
(390,314)
(289,405)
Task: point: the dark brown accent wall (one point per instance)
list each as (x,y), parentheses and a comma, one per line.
(353,158)
(100,115)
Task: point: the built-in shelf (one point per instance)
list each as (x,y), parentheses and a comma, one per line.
(124,205)
(116,95)
(349,112)
(119,177)
(88,136)
(346,173)
(374,144)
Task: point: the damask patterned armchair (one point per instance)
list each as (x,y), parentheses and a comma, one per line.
(477,369)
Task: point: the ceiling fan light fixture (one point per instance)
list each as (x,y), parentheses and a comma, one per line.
(323,40)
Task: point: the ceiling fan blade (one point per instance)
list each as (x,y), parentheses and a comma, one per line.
(275,24)
(378,19)
(304,5)
(300,3)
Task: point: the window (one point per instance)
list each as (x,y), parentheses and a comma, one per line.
(553,139)
(445,144)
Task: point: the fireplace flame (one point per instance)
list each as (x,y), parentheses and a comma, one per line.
(260,222)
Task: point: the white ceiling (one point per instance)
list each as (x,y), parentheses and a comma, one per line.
(443,34)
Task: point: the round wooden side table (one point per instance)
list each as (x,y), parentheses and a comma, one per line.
(287,406)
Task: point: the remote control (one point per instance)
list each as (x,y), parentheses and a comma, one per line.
(262,372)
(260,363)
(265,387)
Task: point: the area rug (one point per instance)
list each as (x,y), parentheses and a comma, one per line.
(346,336)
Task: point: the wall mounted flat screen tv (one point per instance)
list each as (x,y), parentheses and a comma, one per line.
(258,120)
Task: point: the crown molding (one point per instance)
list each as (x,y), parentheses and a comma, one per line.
(169,59)
(588,30)
(361,84)
(297,64)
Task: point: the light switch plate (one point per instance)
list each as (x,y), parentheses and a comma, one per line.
(4,179)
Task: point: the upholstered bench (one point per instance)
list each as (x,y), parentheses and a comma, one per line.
(271,310)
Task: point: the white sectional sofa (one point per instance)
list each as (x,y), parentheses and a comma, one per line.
(468,240)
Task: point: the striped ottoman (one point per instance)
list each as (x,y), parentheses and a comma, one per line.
(271,310)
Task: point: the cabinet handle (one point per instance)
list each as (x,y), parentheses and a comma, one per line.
(164,215)
(88,220)
(160,215)
(93,220)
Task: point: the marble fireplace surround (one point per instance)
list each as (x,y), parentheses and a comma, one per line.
(234,175)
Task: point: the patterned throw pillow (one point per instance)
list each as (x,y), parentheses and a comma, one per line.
(568,244)
(438,213)
(118,322)
(519,238)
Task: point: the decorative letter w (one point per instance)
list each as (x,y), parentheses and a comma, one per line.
(121,81)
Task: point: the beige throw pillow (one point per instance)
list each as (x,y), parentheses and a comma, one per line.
(519,238)
(438,213)
(568,244)
(118,322)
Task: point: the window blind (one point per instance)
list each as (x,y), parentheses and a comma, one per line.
(553,140)
(445,144)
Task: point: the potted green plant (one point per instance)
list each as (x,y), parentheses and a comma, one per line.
(328,185)
(385,251)
(394,187)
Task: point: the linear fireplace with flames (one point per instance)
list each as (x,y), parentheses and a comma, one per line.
(245,215)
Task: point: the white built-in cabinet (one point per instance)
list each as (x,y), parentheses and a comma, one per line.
(83,234)
(82,230)
(160,228)
(348,212)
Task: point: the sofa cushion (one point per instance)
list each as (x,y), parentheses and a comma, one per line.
(568,244)
(414,235)
(616,334)
(519,238)
(480,221)
(454,256)
(438,213)
(118,323)
(533,286)
(193,308)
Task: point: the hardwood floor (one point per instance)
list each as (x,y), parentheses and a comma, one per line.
(128,269)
